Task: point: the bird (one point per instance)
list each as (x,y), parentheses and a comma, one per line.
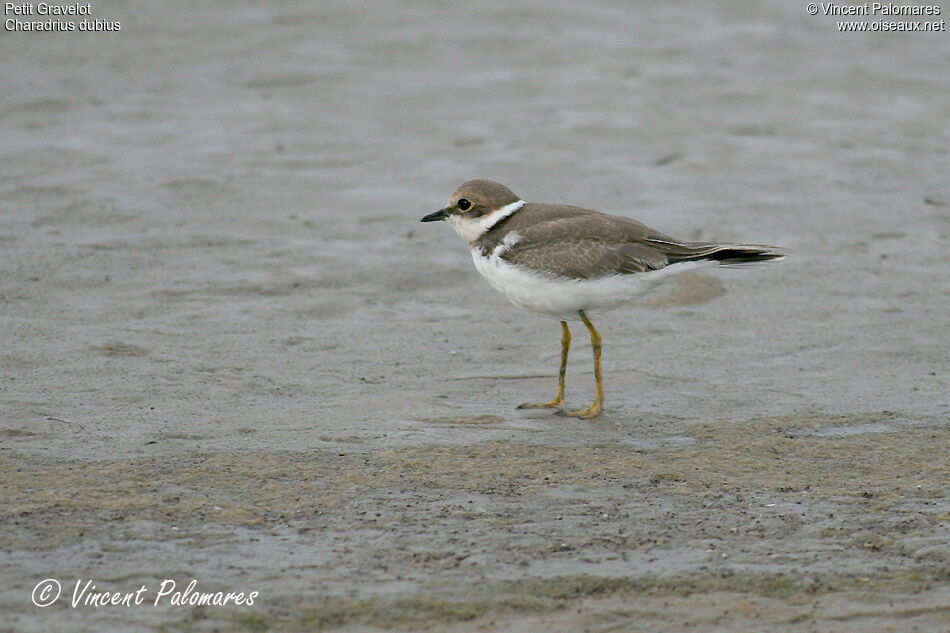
(566,262)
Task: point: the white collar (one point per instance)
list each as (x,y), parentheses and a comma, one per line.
(471,230)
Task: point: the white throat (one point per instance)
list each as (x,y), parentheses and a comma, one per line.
(471,230)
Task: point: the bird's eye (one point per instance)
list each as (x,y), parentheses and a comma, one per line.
(464,204)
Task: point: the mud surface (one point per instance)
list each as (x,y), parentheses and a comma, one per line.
(230,353)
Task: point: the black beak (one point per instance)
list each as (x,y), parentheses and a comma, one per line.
(438,215)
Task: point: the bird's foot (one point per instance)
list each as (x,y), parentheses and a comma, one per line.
(590,412)
(557,403)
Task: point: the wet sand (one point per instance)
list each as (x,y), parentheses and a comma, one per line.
(231,353)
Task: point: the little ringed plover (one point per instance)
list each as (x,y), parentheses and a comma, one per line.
(564,262)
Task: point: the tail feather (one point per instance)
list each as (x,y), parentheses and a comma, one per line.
(739,254)
(725,254)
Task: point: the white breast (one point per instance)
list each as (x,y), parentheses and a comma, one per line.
(560,298)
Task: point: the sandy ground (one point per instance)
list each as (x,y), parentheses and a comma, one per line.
(231,354)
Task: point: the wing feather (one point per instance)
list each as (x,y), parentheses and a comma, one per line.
(594,245)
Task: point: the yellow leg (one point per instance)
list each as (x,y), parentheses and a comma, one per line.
(593,410)
(559,398)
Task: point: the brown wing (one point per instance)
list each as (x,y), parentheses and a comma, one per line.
(591,245)
(587,247)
